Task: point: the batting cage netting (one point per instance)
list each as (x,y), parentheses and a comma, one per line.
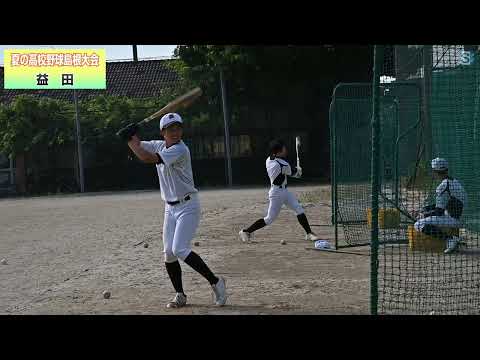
(424,104)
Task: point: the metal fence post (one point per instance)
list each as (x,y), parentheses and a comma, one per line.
(333,166)
(375,177)
(427,90)
(12,172)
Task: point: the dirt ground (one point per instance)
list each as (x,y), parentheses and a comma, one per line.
(62,252)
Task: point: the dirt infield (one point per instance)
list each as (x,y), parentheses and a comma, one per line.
(64,251)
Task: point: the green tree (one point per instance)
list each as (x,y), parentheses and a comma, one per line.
(269,77)
(28,122)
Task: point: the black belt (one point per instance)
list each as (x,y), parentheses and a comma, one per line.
(178,202)
(281,186)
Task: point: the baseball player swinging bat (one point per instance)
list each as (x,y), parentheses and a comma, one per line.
(173,163)
(183,101)
(278,169)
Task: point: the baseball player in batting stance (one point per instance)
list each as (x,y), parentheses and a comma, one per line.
(449,204)
(182,209)
(278,169)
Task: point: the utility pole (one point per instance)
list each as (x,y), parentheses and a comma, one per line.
(79,144)
(227,133)
(12,172)
(135,56)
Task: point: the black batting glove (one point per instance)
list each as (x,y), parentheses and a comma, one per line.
(128,131)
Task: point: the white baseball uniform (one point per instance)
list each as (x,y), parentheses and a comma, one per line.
(447,188)
(176,184)
(278,169)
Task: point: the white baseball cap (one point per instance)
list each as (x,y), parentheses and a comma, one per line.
(439,164)
(170,118)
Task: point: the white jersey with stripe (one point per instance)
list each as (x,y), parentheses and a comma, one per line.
(277,166)
(456,190)
(175,174)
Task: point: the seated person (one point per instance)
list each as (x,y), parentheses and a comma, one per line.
(450,202)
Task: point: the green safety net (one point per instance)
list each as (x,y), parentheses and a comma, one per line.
(417,276)
(429,106)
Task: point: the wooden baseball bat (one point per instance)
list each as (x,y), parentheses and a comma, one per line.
(298,143)
(183,101)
